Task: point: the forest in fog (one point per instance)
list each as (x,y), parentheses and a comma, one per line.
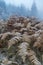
(7,10)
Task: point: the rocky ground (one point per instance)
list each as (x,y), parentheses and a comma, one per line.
(21,41)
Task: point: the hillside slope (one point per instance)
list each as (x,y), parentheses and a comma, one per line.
(21,41)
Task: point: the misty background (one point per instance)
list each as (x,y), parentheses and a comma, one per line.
(21,8)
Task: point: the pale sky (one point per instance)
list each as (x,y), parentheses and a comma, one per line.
(26,3)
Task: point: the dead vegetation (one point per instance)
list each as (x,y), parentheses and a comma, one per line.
(23,39)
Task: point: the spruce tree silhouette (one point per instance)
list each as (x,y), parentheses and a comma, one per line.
(2,6)
(34,11)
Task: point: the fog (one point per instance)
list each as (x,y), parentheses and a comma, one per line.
(21,8)
(26,3)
